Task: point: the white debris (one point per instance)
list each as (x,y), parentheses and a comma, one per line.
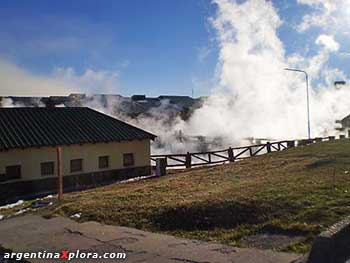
(45,197)
(51,203)
(1,217)
(21,211)
(19,202)
(77,215)
(346,172)
(134,179)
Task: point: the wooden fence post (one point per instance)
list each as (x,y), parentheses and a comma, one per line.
(268,147)
(188,160)
(59,173)
(160,167)
(231,156)
(290,144)
(250,151)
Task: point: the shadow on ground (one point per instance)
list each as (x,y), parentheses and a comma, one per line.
(212,215)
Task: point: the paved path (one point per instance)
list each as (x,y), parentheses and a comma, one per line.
(34,233)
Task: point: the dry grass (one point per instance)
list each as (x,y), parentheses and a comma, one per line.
(300,191)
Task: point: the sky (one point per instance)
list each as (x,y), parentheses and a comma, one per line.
(151,47)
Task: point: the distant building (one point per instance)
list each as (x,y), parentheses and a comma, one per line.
(132,107)
(339,83)
(96,149)
(345,125)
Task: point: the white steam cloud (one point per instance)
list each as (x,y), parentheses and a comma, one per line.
(328,42)
(15,81)
(255,97)
(330,15)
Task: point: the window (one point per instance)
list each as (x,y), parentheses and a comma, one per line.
(128,159)
(103,162)
(13,172)
(76,165)
(47,168)
(3,178)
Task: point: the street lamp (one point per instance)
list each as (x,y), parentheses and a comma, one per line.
(307,96)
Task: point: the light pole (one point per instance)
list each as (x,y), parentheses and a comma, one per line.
(307,97)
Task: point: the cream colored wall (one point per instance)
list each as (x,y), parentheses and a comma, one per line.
(30,159)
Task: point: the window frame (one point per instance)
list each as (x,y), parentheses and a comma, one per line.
(8,177)
(46,163)
(76,170)
(126,164)
(103,160)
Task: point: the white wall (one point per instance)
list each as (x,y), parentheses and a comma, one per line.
(31,158)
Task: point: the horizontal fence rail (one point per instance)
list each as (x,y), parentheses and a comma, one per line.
(194,159)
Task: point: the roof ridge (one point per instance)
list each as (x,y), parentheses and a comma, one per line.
(125,123)
(25,127)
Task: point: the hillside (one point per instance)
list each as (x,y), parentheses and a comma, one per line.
(280,201)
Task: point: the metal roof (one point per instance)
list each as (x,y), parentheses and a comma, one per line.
(37,126)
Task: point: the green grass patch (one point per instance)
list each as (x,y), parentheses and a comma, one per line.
(300,191)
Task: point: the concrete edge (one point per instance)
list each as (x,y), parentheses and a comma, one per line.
(332,245)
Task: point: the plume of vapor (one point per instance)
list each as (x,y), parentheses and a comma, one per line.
(254,96)
(16,81)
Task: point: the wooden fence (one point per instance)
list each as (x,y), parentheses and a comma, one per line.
(189,160)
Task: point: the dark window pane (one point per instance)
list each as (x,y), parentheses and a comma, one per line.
(76,165)
(128,159)
(103,162)
(47,168)
(3,178)
(13,172)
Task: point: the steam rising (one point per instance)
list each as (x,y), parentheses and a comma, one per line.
(254,96)
(16,81)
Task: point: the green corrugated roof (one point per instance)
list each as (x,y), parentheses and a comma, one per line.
(35,127)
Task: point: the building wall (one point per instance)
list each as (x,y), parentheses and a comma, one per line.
(30,159)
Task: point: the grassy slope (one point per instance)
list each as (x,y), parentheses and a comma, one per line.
(298,191)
